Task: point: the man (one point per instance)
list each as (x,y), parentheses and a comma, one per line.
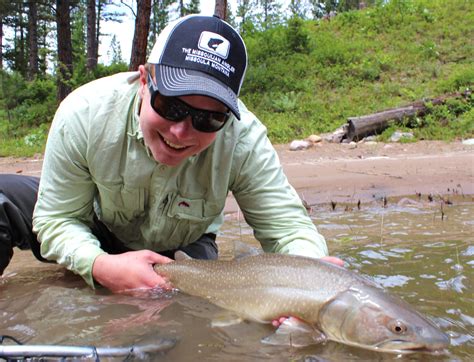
(138,165)
(17,200)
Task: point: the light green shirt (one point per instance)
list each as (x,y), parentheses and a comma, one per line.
(96,161)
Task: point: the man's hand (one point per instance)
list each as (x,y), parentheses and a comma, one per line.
(330,259)
(131,270)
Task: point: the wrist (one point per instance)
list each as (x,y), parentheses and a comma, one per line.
(99,268)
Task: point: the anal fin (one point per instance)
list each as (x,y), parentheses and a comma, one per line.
(295,333)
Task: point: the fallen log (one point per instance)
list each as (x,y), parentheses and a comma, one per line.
(363,126)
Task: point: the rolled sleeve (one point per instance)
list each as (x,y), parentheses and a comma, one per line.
(64,210)
(270,204)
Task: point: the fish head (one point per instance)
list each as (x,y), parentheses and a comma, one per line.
(370,318)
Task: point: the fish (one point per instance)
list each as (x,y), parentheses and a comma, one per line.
(325,301)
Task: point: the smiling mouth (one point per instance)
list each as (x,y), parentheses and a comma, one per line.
(173,145)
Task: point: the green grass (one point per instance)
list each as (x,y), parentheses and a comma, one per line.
(22,142)
(363,62)
(311,78)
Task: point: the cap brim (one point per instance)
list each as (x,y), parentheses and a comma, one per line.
(174,82)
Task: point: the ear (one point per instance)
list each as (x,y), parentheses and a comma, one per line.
(142,80)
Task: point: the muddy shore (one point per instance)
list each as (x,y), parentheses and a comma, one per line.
(349,173)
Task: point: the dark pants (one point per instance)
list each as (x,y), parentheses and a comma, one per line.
(17,200)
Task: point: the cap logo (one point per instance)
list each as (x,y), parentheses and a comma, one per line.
(214,43)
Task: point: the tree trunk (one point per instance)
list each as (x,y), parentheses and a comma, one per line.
(20,59)
(360,127)
(33,39)
(243,9)
(265,13)
(91,36)
(43,27)
(97,27)
(140,37)
(1,41)
(64,67)
(221,9)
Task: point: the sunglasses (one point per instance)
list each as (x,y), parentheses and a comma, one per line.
(175,110)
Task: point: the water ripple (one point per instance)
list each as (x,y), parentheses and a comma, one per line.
(372,255)
(390,281)
(455,284)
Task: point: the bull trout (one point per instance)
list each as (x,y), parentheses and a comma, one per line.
(328,301)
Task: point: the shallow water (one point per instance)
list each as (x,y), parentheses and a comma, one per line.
(411,248)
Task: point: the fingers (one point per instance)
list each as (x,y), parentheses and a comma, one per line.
(155,258)
(277,322)
(128,271)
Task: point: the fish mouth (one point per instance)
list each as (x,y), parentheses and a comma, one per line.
(402,346)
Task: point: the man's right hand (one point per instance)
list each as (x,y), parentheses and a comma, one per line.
(128,271)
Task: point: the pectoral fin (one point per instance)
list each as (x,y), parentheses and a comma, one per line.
(181,255)
(225,319)
(243,250)
(294,332)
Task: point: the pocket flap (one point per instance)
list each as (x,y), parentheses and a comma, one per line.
(192,209)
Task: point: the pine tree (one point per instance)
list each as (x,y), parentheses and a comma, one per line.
(92,46)
(80,44)
(64,67)
(193,7)
(46,24)
(298,9)
(115,51)
(271,15)
(107,11)
(140,36)
(245,14)
(15,55)
(159,19)
(32,39)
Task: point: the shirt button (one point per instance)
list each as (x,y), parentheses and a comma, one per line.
(162,168)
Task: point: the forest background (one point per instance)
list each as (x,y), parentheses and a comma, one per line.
(312,64)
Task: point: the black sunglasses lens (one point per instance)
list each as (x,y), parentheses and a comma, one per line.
(209,121)
(169,108)
(176,110)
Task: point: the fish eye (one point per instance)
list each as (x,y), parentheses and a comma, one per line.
(397,327)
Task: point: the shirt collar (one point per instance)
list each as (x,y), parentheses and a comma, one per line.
(134,129)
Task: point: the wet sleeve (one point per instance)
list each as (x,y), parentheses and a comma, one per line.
(269,203)
(64,210)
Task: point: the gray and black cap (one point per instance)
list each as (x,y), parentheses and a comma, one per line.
(200,55)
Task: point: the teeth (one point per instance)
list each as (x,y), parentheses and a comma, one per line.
(172,145)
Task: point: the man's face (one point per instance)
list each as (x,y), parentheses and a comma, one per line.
(173,142)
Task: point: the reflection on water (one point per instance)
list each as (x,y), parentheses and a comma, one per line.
(413,249)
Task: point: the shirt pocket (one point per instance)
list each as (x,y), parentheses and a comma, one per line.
(120,205)
(190,217)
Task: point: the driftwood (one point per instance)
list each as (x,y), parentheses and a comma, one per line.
(360,127)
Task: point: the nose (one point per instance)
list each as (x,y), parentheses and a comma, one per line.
(183,129)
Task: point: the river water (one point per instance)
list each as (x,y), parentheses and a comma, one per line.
(418,250)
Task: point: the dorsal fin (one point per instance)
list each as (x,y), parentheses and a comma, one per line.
(181,255)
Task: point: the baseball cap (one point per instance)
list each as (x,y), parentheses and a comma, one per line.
(200,55)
